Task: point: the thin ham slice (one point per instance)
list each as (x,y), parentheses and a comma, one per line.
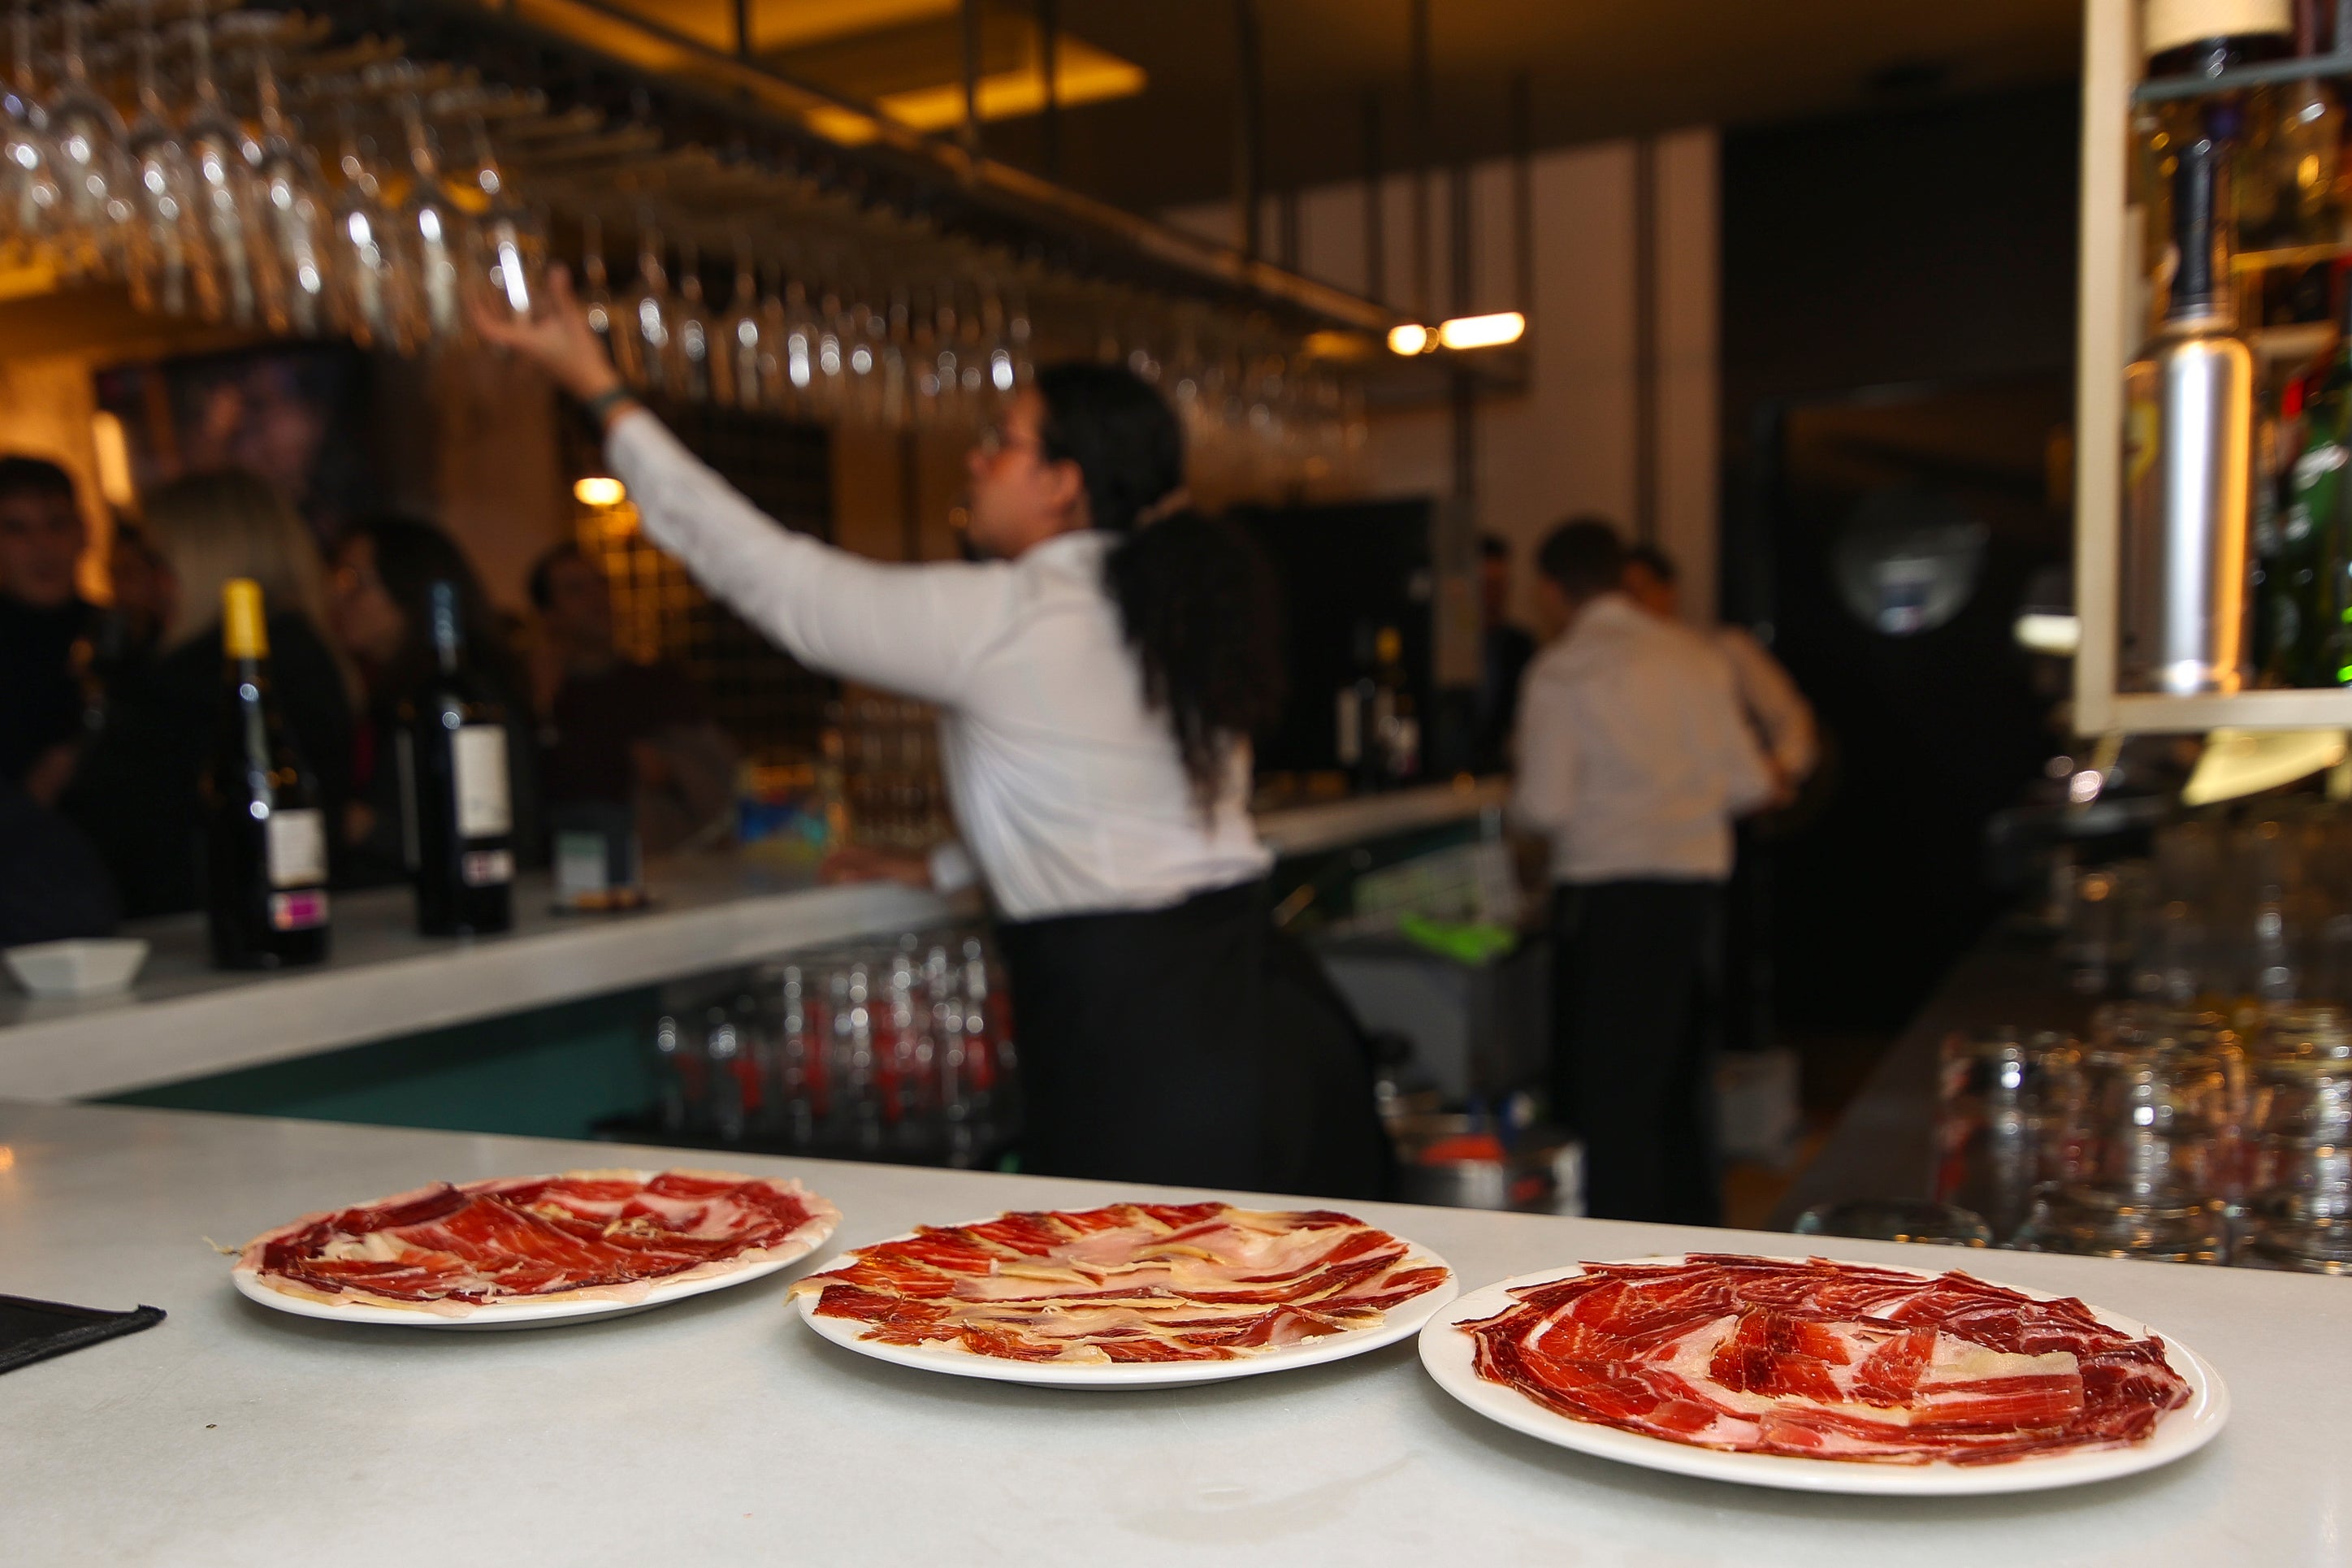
(452,1249)
(1827,1359)
(1126,1283)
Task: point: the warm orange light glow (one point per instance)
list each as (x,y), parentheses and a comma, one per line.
(1409,339)
(1483,331)
(1082,74)
(113,461)
(597,489)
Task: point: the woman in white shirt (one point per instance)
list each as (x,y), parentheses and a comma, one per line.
(1099,675)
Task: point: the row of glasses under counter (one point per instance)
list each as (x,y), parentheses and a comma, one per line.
(2158,1066)
(553,1028)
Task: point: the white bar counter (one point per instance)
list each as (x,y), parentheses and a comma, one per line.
(185,1019)
(720,1431)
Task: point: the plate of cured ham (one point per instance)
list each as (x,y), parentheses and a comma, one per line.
(1127,1295)
(528,1251)
(1818,1376)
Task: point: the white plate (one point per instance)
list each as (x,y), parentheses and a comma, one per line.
(1399,1322)
(525,1313)
(1445,1351)
(503,1315)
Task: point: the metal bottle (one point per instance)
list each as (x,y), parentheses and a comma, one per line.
(2186,523)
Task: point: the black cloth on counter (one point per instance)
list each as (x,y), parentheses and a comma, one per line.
(34,1330)
(137,793)
(52,883)
(1634,992)
(1167,1046)
(40,700)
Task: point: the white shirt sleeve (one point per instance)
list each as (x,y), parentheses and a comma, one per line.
(1772,700)
(915,629)
(1543,792)
(1747,778)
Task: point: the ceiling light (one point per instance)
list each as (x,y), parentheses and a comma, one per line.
(598,489)
(1082,75)
(1409,339)
(1483,331)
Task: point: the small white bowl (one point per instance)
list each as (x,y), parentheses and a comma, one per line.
(91,966)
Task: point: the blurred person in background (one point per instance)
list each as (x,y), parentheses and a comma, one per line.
(384,570)
(1783,719)
(1504,650)
(1633,759)
(1099,672)
(42,615)
(135,788)
(615,730)
(52,884)
(1785,728)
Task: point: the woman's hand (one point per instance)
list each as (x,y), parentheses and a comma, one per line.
(857,863)
(555,337)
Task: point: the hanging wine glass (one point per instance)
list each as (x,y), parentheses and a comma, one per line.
(295,215)
(86,135)
(363,266)
(865,331)
(735,344)
(799,334)
(432,231)
(642,328)
(897,363)
(690,329)
(595,293)
(249,283)
(775,325)
(166,240)
(30,202)
(509,239)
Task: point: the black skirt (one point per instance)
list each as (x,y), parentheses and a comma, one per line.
(1182,1046)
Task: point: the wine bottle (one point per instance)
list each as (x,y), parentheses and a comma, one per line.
(2206,37)
(1395,725)
(457,806)
(2187,525)
(265,842)
(2318,518)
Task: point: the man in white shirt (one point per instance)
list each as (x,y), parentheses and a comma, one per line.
(1633,759)
(1783,719)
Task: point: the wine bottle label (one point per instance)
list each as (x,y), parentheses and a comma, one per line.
(2168,24)
(486,868)
(297,849)
(485,809)
(305,910)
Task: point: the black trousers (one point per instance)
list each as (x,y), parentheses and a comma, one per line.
(1186,1047)
(1633,997)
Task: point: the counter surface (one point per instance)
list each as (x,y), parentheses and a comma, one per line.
(721,1431)
(185,1019)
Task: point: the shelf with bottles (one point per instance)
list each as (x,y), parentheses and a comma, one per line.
(2268,204)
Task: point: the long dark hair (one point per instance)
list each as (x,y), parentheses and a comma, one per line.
(1194,596)
(411,555)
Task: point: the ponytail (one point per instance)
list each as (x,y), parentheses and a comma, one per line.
(1197,605)
(1195,599)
